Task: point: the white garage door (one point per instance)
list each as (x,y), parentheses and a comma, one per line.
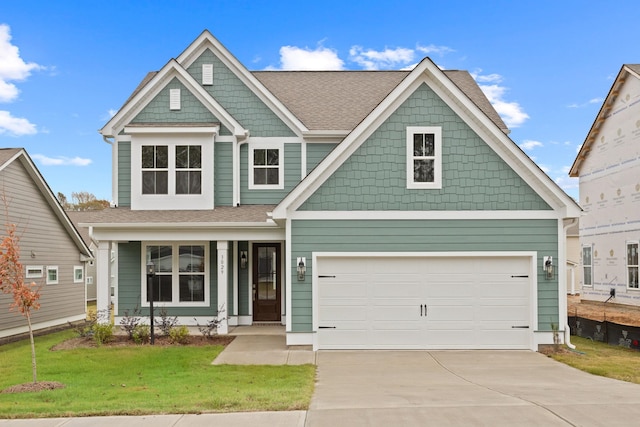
(424,303)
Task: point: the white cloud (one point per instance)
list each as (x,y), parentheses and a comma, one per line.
(12,66)
(530,144)
(61,160)
(511,112)
(546,169)
(15,126)
(568,184)
(440,50)
(322,58)
(375,60)
(586,104)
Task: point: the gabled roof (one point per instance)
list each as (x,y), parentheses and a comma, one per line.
(10,155)
(491,132)
(625,72)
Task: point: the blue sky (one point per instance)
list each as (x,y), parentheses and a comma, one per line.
(66,67)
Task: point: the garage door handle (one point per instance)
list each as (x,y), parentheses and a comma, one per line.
(423,309)
(326,327)
(520,327)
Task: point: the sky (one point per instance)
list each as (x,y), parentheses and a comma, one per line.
(67,66)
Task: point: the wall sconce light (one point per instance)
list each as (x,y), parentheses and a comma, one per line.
(243,259)
(302,269)
(548,267)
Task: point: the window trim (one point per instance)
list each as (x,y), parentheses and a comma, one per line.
(55,281)
(266,146)
(437,133)
(37,272)
(627,265)
(590,247)
(77,268)
(175,274)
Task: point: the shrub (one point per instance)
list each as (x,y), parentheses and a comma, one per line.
(130,322)
(166,323)
(141,334)
(211,327)
(179,335)
(85,327)
(102,333)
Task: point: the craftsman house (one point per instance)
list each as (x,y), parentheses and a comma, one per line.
(51,251)
(360,209)
(608,168)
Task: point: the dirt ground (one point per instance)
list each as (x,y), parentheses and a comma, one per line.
(616,313)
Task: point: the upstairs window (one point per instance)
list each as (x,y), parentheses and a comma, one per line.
(587,266)
(266,170)
(155,169)
(188,169)
(424,157)
(632,265)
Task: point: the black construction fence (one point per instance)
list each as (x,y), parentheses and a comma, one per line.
(607,332)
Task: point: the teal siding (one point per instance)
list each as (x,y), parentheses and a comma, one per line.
(308,236)
(130,286)
(124,174)
(292,168)
(238,100)
(191,110)
(223,174)
(474,177)
(243,282)
(316,153)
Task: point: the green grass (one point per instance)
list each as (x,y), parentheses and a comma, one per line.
(142,380)
(602,359)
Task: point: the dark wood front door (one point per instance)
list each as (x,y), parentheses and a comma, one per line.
(266,282)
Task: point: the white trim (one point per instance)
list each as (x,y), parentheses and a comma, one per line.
(37,271)
(268,232)
(265,145)
(42,325)
(50,281)
(134,130)
(532,256)
(423,215)
(75,269)
(301,338)
(437,157)
(626,265)
(223,283)
(234,278)
(286,277)
(175,274)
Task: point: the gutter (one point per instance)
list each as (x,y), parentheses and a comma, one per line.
(236,166)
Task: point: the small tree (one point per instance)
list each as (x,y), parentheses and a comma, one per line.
(25,296)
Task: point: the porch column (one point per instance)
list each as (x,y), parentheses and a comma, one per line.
(223,283)
(103,283)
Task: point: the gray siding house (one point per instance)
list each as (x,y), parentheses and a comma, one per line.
(360,209)
(51,250)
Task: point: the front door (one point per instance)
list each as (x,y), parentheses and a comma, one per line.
(266,282)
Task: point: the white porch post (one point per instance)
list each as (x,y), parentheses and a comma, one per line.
(223,268)
(103,282)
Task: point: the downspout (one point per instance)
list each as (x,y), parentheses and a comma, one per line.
(567,329)
(114,168)
(236,166)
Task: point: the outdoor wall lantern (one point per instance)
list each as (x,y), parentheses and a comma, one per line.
(302,269)
(548,267)
(151,272)
(243,259)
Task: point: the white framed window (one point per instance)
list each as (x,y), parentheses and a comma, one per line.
(587,265)
(181,273)
(188,166)
(155,169)
(52,275)
(78,274)
(34,272)
(424,157)
(266,166)
(632,265)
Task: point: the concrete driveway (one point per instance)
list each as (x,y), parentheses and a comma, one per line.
(464,388)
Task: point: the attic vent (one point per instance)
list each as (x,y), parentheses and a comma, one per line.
(207,74)
(174,99)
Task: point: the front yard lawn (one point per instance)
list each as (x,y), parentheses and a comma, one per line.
(602,359)
(139,380)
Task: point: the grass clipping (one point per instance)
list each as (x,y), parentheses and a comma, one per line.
(33,387)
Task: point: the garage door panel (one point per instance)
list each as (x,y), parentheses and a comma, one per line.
(380,302)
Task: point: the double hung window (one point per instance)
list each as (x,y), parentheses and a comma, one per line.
(185,162)
(155,169)
(587,266)
(266,166)
(632,265)
(424,157)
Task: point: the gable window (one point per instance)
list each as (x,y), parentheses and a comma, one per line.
(424,157)
(188,169)
(52,275)
(181,274)
(632,265)
(587,266)
(266,169)
(155,169)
